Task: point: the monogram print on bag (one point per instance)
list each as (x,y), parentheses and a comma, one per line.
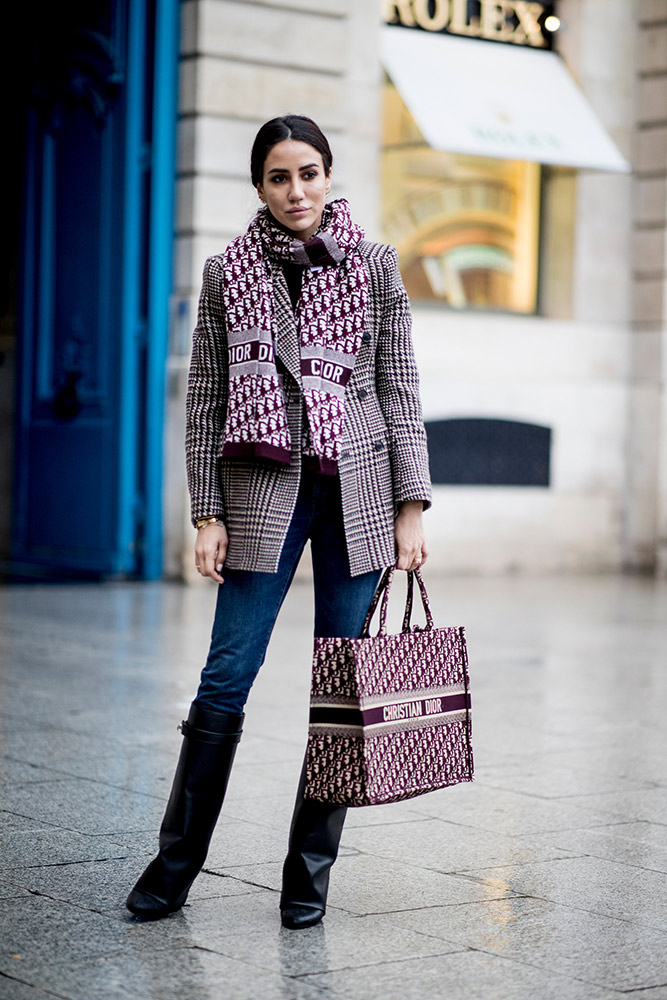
(391,663)
(356,771)
(356,767)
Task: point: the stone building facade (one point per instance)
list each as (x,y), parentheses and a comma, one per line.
(589,364)
(92,395)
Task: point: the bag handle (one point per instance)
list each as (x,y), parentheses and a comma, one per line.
(426,604)
(382,588)
(383,592)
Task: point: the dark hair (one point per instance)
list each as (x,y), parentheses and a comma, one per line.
(296,127)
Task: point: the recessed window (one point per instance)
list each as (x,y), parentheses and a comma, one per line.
(486,452)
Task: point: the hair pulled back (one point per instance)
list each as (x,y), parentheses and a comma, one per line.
(296,127)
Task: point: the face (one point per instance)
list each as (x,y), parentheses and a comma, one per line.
(295,186)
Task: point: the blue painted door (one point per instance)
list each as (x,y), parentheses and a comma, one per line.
(85,358)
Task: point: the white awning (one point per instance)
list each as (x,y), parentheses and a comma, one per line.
(489,99)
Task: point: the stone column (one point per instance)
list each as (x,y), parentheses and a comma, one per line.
(646,522)
(243,62)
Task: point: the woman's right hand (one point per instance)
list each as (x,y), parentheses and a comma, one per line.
(211,551)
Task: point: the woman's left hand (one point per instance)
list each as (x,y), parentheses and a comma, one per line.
(411,550)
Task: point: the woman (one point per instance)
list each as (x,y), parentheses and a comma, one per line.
(303,422)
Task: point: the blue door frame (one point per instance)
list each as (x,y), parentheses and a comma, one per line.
(94,301)
(165,104)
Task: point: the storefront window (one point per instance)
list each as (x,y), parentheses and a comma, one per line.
(466,227)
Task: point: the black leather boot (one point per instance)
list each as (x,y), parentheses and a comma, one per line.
(209,745)
(313,847)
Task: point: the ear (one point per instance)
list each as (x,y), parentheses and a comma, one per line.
(260,193)
(328,183)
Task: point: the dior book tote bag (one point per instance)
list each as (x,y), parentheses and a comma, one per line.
(389,714)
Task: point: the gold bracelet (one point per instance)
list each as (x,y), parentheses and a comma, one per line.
(201,522)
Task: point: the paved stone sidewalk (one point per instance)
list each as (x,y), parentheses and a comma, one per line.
(546,879)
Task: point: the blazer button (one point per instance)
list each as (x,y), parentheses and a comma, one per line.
(365,337)
(362,393)
(379,445)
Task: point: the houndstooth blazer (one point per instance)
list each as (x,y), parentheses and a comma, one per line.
(383,459)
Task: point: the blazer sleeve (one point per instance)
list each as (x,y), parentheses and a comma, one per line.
(397,384)
(206,398)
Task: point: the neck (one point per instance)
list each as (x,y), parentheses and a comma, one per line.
(305,234)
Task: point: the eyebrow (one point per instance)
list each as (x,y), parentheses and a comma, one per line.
(285,170)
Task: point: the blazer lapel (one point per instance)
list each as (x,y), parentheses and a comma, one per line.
(287,335)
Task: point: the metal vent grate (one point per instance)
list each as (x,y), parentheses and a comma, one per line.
(484,452)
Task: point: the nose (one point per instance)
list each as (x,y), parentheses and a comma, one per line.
(296,190)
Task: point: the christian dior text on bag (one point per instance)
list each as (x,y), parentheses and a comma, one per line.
(389,714)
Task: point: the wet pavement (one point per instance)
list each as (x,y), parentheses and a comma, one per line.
(546,878)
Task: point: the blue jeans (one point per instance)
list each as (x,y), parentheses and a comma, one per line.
(248,603)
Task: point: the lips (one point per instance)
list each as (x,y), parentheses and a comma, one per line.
(297,211)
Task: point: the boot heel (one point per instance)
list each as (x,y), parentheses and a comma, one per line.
(296,918)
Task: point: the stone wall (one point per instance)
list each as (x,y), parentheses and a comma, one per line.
(566,368)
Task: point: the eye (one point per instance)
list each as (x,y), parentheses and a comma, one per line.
(277,178)
(309,174)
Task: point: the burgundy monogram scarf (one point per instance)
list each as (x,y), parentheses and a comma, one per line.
(330,318)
